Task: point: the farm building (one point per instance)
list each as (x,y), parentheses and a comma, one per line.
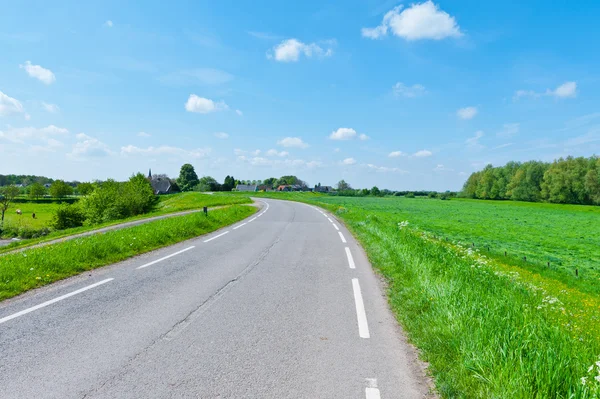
(246,187)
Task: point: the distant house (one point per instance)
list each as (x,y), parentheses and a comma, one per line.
(284,188)
(264,187)
(161,185)
(246,187)
(323,189)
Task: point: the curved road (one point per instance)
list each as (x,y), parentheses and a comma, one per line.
(281,305)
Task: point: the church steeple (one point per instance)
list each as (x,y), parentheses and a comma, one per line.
(150,174)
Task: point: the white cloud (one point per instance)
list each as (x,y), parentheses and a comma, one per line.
(383,169)
(442,168)
(221,135)
(166,151)
(363,137)
(21,135)
(240,113)
(289,142)
(416,90)
(349,161)
(396,154)
(144,134)
(566,90)
(290,50)
(109,24)
(293,163)
(419,21)
(467,113)
(503,146)
(422,154)
(52,108)
(87,146)
(509,130)
(9,105)
(473,142)
(203,105)
(346,133)
(275,153)
(36,71)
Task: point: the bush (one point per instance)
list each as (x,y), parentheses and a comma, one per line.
(409,195)
(67,216)
(432,194)
(27,232)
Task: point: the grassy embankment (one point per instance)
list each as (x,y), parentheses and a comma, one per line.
(167,204)
(490,326)
(36,267)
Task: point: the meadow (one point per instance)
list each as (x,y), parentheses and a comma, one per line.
(489,325)
(36,267)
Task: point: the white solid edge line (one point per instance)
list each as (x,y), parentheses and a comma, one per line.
(252,220)
(361,316)
(166,257)
(50,302)
(215,237)
(350,259)
(337,228)
(372,393)
(342,237)
(238,226)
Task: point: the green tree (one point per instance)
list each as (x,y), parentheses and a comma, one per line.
(228,183)
(85,188)
(343,186)
(592,181)
(60,189)
(7,195)
(207,183)
(36,190)
(288,180)
(188,179)
(375,191)
(136,196)
(271,182)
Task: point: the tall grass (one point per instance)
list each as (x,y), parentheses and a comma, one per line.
(36,267)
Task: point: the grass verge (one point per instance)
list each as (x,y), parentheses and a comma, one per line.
(168,204)
(33,268)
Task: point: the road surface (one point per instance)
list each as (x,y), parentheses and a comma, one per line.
(280,305)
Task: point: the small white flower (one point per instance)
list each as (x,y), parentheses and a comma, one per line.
(591,368)
(31,268)
(597,378)
(583,380)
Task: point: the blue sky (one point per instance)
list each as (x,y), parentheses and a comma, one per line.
(395,94)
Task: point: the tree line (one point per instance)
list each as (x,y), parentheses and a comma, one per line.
(565,181)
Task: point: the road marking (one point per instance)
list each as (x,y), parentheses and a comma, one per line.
(361,316)
(215,237)
(238,226)
(350,259)
(337,228)
(50,302)
(252,220)
(330,220)
(166,257)
(342,237)
(372,392)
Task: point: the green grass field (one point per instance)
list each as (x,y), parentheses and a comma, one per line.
(490,326)
(43,214)
(36,267)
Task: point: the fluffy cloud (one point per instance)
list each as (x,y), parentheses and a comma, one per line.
(509,130)
(401,90)
(396,154)
(203,105)
(473,142)
(419,21)
(36,71)
(292,142)
(9,105)
(346,133)
(565,90)
(442,168)
(52,108)
(293,163)
(349,161)
(87,146)
(275,153)
(221,135)
(422,154)
(144,134)
(467,113)
(290,50)
(109,24)
(166,151)
(21,135)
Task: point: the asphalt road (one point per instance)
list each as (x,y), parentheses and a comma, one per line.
(276,306)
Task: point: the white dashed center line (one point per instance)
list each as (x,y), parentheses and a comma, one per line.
(350,259)
(215,237)
(342,237)
(337,228)
(166,257)
(361,315)
(50,302)
(372,392)
(237,227)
